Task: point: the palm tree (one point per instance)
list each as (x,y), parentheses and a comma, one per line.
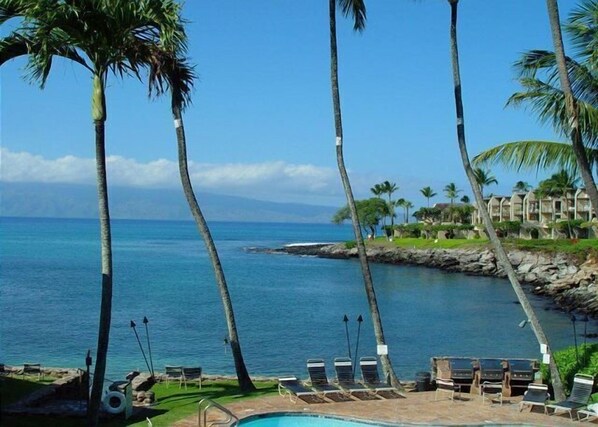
(465,199)
(104,38)
(499,250)
(407,205)
(522,187)
(558,186)
(356,9)
(585,15)
(170,71)
(484,178)
(452,192)
(377,190)
(389,188)
(428,193)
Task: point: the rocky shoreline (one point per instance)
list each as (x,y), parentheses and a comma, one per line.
(573,286)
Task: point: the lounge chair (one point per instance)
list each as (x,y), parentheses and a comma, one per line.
(192,374)
(589,413)
(294,389)
(580,394)
(346,379)
(371,379)
(446,386)
(173,373)
(319,380)
(491,391)
(33,369)
(536,395)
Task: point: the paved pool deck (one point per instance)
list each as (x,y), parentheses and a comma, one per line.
(417,409)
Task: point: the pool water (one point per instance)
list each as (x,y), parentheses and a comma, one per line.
(290,419)
(304,420)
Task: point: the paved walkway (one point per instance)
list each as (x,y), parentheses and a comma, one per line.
(417,408)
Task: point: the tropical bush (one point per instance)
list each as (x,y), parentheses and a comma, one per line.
(410,230)
(571,362)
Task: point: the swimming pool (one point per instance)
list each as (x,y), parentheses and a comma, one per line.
(289,419)
(295,419)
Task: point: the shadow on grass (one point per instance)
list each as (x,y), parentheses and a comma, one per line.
(172,404)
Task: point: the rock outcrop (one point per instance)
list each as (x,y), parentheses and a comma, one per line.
(572,286)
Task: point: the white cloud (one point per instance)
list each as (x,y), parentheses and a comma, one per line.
(277,180)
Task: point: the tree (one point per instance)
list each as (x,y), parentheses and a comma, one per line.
(522,187)
(377,190)
(172,72)
(484,178)
(104,37)
(389,188)
(428,193)
(465,199)
(586,43)
(428,215)
(357,10)
(498,248)
(406,205)
(370,212)
(452,192)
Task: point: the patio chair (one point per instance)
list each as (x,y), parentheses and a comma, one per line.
(580,394)
(346,379)
(590,413)
(536,395)
(447,386)
(319,380)
(32,369)
(491,391)
(173,373)
(371,379)
(192,374)
(293,388)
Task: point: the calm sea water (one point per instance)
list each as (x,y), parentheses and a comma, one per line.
(288,308)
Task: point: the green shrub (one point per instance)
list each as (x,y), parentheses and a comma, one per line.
(350,244)
(410,230)
(566,360)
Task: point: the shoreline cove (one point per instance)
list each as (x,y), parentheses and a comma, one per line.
(570,286)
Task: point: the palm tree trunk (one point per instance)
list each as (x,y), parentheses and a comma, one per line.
(363,260)
(498,249)
(106,303)
(99,118)
(245,383)
(571,104)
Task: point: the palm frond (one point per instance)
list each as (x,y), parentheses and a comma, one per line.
(548,103)
(169,72)
(582,28)
(356,10)
(534,155)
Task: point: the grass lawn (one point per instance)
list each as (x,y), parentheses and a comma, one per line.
(172,405)
(580,247)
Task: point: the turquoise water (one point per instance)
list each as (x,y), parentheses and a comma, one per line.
(302,420)
(309,420)
(288,308)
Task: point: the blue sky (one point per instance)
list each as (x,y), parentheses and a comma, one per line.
(261,123)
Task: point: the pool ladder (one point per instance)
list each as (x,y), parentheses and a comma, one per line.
(207,406)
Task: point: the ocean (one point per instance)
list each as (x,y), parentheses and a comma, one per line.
(288,308)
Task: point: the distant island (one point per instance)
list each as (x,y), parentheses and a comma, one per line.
(42,200)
